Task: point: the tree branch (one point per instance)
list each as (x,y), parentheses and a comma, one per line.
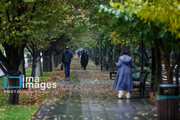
(29,49)
(4,60)
(3,69)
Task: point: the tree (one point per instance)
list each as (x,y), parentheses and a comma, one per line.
(166,33)
(18,21)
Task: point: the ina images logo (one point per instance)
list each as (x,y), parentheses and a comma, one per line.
(29,82)
(12,77)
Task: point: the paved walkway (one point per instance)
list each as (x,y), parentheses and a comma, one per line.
(88,96)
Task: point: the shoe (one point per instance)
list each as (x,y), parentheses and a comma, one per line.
(128,95)
(120,94)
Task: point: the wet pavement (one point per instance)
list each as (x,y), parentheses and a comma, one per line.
(88,95)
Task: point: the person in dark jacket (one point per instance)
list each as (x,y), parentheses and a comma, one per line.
(79,53)
(84,59)
(66,60)
(123,80)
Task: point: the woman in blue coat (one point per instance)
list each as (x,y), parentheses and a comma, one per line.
(123,80)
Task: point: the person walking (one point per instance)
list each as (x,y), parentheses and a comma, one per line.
(79,53)
(84,59)
(66,60)
(123,80)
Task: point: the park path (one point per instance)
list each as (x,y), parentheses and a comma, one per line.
(88,96)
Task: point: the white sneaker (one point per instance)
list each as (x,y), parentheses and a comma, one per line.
(128,95)
(120,94)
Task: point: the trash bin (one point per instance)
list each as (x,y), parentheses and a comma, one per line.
(168,102)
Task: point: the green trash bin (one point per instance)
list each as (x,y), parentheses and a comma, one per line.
(168,102)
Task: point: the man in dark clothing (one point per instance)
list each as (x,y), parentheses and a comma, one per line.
(84,59)
(66,60)
(79,53)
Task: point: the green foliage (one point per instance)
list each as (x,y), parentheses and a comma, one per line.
(150,13)
(29,0)
(84,39)
(31,21)
(131,26)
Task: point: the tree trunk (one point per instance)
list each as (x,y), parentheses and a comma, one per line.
(111,60)
(142,56)
(36,65)
(56,55)
(169,76)
(115,54)
(11,62)
(57,58)
(47,61)
(60,56)
(166,59)
(101,53)
(153,69)
(158,70)
(22,69)
(14,71)
(14,95)
(53,61)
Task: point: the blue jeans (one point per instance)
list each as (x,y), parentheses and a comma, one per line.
(67,69)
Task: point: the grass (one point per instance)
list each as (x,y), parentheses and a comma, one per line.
(28,71)
(28,103)
(16,112)
(1,83)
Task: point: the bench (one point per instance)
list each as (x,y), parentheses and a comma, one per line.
(104,65)
(113,73)
(140,82)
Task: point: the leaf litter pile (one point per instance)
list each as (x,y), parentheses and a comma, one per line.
(90,83)
(33,96)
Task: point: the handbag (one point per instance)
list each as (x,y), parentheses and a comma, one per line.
(61,66)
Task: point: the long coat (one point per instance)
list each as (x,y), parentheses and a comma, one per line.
(84,59)
(123,80)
